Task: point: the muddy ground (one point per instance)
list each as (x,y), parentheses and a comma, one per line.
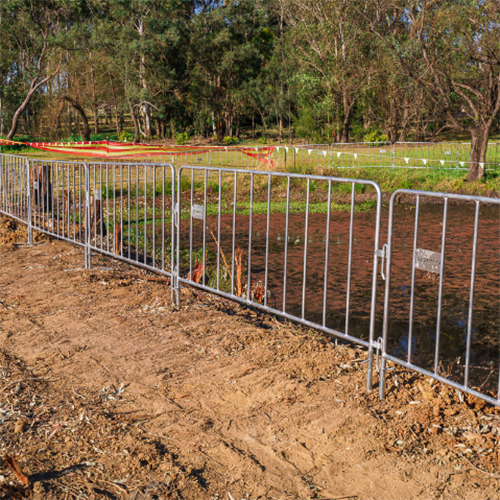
(109,391)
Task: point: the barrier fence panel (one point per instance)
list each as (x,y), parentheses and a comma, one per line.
(57,191)
(299,246)
(441,307)
(303,247)
(131,213)
(14,195)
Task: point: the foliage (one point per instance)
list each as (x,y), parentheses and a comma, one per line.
(325,71)
(230,140)
(375,138)
(182,138)
(125,136)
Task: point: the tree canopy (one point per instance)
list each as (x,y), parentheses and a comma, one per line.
(319,70)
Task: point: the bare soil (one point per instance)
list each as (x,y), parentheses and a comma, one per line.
(109,391)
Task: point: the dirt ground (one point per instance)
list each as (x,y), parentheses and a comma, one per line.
(109,391)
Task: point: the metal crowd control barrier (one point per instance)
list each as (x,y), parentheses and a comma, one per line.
(305,257)
(14,197)
(57,191)
(131,213)
(298,246)
(431,264)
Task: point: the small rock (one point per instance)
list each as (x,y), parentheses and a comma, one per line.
(20,426)
(18,388)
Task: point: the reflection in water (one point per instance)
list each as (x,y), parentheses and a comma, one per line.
(456,285)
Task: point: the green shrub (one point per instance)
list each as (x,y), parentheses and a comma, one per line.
(263,140)
(376,138)
(230,140)
(182,138)
(125,137)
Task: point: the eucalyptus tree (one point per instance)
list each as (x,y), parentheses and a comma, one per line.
(33,34)
(451,50)
(328,42)
(230,43)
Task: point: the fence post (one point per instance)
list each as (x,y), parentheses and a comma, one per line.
(29,215)
(176,202)
(88,254)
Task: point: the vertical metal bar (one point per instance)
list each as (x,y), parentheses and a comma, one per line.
(73,202)
(190,224)
(137,213)
(266,271)
(107,206)
(129,196)
(285,266)
(306,237)
(81,218)
(234,230)
(153,251)
(440,292)
(28,194)
(471,297)
(349,265)
(327,250)
(145,213)
(163,219)
(204,226)
(114,208)
(385,327)
(250,226)
(218,229)
(88,258)
(414,264)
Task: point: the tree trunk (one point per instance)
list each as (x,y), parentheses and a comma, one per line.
(133,115)
(478,147)
(19,111)
(346,127)
(146,108)
(85,123)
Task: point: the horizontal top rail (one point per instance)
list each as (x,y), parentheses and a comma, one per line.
(452,196)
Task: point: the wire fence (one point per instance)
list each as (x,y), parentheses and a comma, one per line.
(301,246)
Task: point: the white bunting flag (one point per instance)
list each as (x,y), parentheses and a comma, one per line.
(309,151)
(407,160)
(355,156)
(324,153)
(257,150)
(462,163)
(225,147)
(481,165)
(286,149)
(442,162)
(278,149)
(297,151)
(338,154)
(425,162)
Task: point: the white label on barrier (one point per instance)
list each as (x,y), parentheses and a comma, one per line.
(198,212)
(428,260)
(447,152)
(97,195)
(35,184)
(383,151)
